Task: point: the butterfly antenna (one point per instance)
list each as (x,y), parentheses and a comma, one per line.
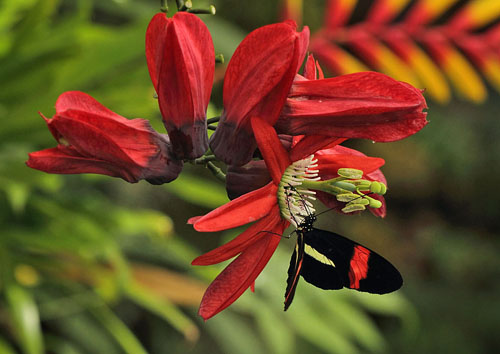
(274,233)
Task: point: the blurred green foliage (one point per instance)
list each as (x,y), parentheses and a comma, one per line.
(89,264)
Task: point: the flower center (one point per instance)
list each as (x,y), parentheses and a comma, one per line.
(293,200)
(300,180)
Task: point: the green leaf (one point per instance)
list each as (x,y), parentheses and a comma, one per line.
(39,14)
(234,334)
(79,327)
(17,195)
(318,329)
(198,191)
(165,310)
(278,337)
(58,345)
(152,222)
(5,347)
(120,332)
(355,322)
(25,318)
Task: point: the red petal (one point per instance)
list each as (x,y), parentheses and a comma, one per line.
(107,139)
(194,219)
(257,68)
(246,178)
(312,143)
(185,83)
(257,81)
(239,275)
(240,211)
(275,155)
(76,100)
(320,74)
(310,68)
(186,75)
(155,42)
(63,160)
(362,105)
(251,235)
(330,160)
(101,141)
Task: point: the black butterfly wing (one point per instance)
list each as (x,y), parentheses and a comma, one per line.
(331,261)
(294,270)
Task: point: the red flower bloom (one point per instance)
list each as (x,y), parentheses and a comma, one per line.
(254,175)
(181,62)
(271,206)
(364,105)
(256,84)
(93,139)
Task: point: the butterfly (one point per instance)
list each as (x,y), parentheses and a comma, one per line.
(330,261)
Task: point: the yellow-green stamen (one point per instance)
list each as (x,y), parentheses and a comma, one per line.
(301,179)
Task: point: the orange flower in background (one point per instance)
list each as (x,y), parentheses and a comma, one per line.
(413,47)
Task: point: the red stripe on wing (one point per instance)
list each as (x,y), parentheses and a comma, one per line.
(358,267)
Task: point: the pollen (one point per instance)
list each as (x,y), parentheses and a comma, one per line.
(295,201)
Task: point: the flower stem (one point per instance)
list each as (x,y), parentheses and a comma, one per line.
(209,11)
(204,159)
(219,58)
(163,6)
(217,172)
(309,184)
(213,120)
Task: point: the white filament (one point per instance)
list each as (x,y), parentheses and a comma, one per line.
(294,201)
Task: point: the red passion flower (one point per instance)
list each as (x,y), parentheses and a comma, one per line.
(93,139)
(256,84)
(271,207)
(254,175)
(181,62)
(366,105)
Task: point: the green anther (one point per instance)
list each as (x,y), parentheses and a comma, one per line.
(361,184)
(352,208)
(360,200)
(378,188)
(350,173)
(347,197)
(349,188)
(342,185)
(373,203)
